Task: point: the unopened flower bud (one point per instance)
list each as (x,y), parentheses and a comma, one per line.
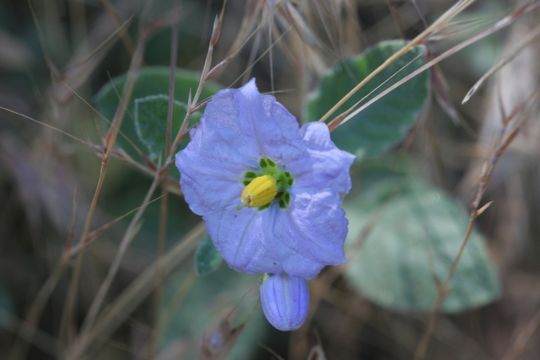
(285,301)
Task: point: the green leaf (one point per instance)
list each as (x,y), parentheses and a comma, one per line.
(193,307)
(6,308)
(151,121)
(403,235)
(207,258)
(150,89)
(386,122)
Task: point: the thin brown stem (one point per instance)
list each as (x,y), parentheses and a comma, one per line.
(520,343)
(501,24)
(137,291)
(476,210)
(162,235)
(110,140)
(129,235)
(126,40)
(419,39)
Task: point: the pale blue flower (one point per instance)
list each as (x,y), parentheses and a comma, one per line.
(269,191)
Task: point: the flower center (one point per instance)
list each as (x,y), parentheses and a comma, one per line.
(266,185)
(260,191)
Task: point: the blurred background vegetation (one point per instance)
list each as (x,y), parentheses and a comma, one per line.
(101,258)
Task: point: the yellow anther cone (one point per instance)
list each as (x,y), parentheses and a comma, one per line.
(260,191)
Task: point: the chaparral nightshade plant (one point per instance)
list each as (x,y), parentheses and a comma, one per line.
(270,193)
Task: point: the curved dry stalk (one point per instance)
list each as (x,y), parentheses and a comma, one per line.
(32,335)
(520,343)
(438,25)
(124,35)
(501,24)
(164,203)
(110,140)
(28,327)
(502,62)
(158,176)
(502,142)
(129,235)
(139,289)
(49,126)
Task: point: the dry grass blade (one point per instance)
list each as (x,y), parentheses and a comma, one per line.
(520,343)
(107,121)
(19,55)
(28,327)
(128,237)
(192,102)
(126,40)
(32,335)
(344,116)
(489,166)
(109,145)
(530,38)
(103,36)
(96,305)
(95,234)
(250,66)
(120,309)
(164,209)
(147,169)
(440,23)
(506,21)
(49,126)
(98,260)
(297,21)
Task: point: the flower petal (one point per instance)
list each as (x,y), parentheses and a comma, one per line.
(314,229)
(239,236)
(330,164)
(285,301)
(223,135)
(274,128)
(206,186)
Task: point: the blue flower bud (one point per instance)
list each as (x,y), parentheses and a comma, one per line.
(285,301)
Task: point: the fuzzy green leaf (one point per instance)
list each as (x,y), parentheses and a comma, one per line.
(403,238)
(386,122)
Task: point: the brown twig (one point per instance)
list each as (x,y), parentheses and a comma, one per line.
(129,235)
(520,343)
(502,143)
(124,35)
(502,62)
(162,232)
(110,140)
(504,22)
(439,24)
(138,290)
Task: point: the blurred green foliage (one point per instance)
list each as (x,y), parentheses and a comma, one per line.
(207,258)
(7,307)
(196,314)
